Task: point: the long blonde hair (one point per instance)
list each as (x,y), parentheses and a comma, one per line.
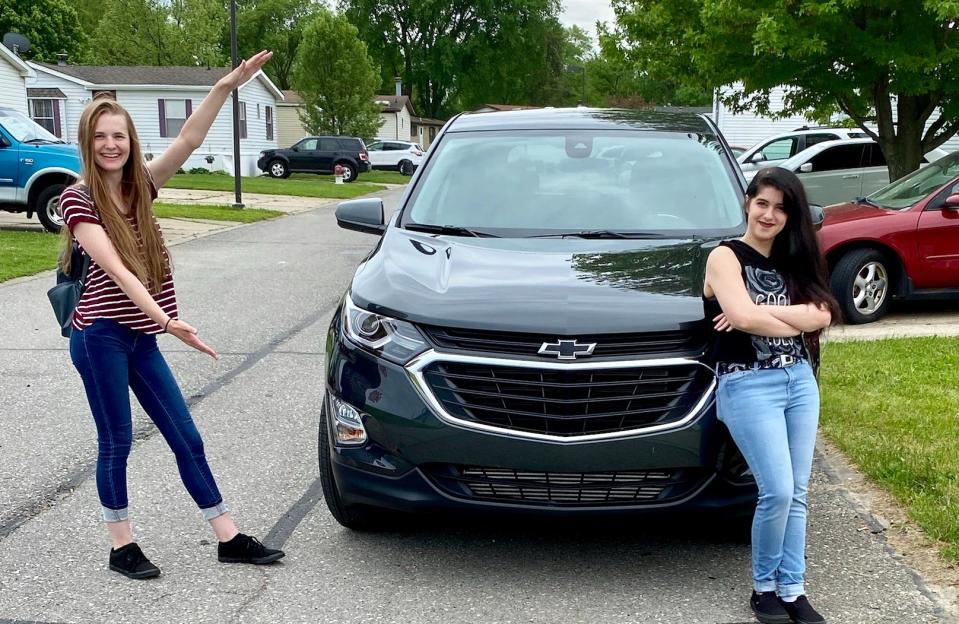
(145,257)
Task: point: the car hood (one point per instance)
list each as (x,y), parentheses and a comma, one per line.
(59,150)
(558,286)
(851,211)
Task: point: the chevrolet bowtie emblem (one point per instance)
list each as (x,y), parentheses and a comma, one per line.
(567,349)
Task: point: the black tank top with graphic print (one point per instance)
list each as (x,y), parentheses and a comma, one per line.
(766,286)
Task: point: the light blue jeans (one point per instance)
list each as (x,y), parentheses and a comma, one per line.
(772,415)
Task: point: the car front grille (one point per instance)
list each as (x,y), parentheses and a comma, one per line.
(564,489)
(607,345)
(567,403)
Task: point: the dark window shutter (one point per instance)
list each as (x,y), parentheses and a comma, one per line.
(162,106)
(189,108)
(56,118)
(269,123)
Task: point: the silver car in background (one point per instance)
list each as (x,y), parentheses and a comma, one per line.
(833,172)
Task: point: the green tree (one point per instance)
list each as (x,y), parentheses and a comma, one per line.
(133,32)
(52,26)
(275,25)
(197,28)
(438,46)
(336,78)
(888,64)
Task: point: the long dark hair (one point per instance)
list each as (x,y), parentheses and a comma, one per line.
(796,248)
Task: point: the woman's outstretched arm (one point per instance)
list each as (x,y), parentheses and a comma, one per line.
(195,129)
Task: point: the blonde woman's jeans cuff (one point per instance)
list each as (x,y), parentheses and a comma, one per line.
(115,515)
(210,513)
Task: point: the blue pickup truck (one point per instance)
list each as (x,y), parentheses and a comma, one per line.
(35,167)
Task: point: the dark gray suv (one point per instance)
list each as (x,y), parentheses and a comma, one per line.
(317,155)
(529,334)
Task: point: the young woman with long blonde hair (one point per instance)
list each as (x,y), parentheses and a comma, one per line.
(128,299)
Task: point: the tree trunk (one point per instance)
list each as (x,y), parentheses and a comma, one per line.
(902,146)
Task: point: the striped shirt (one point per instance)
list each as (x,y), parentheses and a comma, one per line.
(102,297)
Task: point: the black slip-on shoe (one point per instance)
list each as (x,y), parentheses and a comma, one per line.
(768,609)
(802,612)
(130,561)
(247,549)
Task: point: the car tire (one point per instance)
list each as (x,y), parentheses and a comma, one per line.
(48,208)
(406,167)
(861,282)
(355,517)
(278,169)
(349,172)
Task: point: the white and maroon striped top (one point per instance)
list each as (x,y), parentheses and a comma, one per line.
(102,297)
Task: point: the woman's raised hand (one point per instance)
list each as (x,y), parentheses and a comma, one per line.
(246,69)
(187,333)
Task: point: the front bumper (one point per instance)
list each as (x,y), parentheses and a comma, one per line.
(416,459)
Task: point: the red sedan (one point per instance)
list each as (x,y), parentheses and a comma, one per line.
(900,242)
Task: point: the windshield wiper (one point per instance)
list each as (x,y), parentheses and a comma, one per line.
(867,201)
(38,140)
(452,230)
(603,234)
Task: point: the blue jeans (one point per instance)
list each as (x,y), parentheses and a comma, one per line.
(112,359)
(772,415)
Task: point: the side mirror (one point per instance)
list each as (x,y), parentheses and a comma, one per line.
(362,215)
(757,158)
(952,202)
(819,215)
(805,167)
(295,148)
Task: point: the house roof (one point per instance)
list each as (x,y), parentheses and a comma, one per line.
(427,121)
(46,93)
(18,63)
(506,107)
(145,75)
(394,103)
(291,97)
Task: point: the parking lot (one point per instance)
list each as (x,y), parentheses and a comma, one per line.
(263,295)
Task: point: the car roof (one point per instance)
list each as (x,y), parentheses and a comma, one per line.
(581,118)
(812,150)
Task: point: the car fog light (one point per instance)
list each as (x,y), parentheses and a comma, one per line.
(348,425)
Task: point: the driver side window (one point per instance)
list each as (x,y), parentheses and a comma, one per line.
(307,145)
(780,149)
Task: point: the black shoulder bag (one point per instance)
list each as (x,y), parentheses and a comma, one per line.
(65,295)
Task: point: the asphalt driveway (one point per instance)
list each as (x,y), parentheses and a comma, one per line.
(262,295)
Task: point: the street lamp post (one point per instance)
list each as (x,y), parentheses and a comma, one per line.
(236,111)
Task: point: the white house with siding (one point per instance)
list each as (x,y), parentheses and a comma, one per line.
(747,129)
(14,72)
(159,100)
(396,112)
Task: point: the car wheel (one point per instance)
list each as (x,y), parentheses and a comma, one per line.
(48,208)
(406,167)
(356,517)
(278,169)
(861,282)
(349,172)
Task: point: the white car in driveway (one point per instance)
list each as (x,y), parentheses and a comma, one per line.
(834,172)
(776,148)
(401,156)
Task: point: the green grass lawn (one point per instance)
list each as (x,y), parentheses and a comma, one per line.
(300,184)
(892,406)
(214,213)
(27,253)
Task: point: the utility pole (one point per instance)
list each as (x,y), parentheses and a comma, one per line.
(237,183)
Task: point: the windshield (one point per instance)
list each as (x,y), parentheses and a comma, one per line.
(906,192)
(25,129)
(529,183)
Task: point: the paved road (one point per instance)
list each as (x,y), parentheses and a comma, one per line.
(263,295)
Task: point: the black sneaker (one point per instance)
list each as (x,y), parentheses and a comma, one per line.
(247,549)
(802,612)
(130,561)
(768,609)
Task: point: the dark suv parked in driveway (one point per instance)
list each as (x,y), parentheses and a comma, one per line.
(317,155)
(529,333)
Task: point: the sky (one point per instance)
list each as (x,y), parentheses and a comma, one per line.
(585,13)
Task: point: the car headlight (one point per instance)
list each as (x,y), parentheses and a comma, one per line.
(262,154)
(393,339)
